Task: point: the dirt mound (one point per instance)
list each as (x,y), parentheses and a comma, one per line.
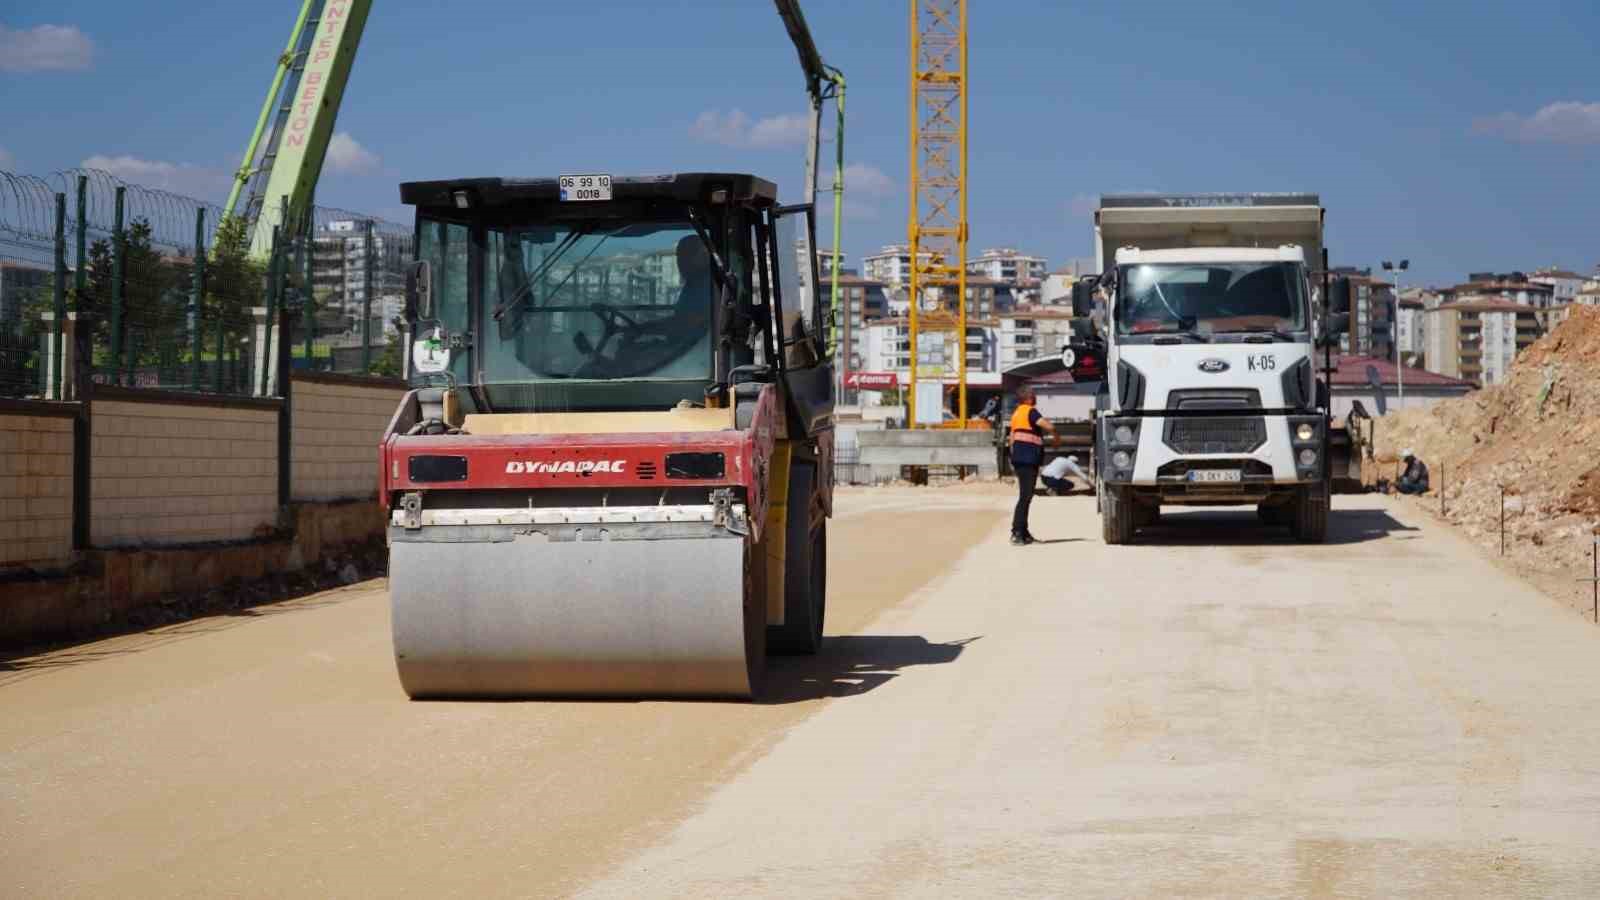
(1537,436)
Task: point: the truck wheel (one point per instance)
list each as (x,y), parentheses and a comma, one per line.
(805,563)
(1310,514)
(1116,515)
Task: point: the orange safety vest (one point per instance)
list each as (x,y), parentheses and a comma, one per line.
(1021,430)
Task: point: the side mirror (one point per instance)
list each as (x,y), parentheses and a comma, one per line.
(1339,297)
(1083,298)
(419,291)
(1335,325)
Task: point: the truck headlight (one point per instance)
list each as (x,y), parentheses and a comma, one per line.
(1121,459)
(1123,435)
(1308,456)
(1305,431)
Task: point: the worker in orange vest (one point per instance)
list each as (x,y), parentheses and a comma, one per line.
(1027,454)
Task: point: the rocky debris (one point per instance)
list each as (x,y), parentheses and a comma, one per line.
(1537,437)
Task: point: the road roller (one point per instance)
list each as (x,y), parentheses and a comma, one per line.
(612,473)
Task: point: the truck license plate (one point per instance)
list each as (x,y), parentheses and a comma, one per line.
(1214,475)
(585,187)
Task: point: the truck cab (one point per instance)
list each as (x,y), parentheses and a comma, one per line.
(1211,395)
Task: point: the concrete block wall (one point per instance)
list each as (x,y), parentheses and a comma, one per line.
(166,473)
(35,489)
(336,424)
(887,450)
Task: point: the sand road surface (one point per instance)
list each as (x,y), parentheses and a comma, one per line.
(1216,711)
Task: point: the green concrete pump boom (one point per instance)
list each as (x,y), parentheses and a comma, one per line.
(823,82)
(280,174)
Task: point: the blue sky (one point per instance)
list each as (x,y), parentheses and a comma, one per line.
(1463,136)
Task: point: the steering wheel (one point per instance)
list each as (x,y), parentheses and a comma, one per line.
(613,322)
(643,346)
(610,317)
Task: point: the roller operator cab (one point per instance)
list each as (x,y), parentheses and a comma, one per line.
(613,473)
(1211,395)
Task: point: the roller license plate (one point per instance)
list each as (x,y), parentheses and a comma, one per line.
(585,187)
(1213,476)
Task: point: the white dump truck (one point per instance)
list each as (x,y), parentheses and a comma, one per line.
(1213,394)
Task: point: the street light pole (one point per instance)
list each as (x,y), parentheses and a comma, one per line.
(1399,354)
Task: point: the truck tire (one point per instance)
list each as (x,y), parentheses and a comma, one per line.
(1116,515)
(1309,521)
(805,570)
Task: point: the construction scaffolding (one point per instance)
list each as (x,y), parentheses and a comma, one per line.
(937,226)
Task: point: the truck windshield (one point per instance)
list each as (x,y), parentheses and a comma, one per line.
(1206,299)
(597,300)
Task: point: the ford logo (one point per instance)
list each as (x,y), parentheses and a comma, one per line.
(1213,365)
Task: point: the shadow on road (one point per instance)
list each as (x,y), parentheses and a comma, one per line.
(1241,527)
(852,664)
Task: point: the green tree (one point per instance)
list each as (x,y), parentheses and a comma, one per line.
(388,363)
(234,284)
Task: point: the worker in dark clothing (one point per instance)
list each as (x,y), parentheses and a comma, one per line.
(1027,453)
(1414,480)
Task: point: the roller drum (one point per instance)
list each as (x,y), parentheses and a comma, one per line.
(525,615)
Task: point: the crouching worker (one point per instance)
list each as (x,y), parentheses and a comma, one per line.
(1414,480)
(1027,452)
(1054,475)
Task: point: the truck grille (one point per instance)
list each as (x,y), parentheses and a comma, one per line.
(1223,434)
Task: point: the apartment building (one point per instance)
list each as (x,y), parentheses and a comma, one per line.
(1008,264)
(342,267)
(1410,326)
(1030,334)
(1514,286)
(1564,285)
(825,265)
(891,265)
(862,302)
(1477,337)
(1372,314)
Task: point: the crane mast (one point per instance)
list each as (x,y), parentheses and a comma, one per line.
(937,225)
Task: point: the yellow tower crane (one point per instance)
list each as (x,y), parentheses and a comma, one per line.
(937,226)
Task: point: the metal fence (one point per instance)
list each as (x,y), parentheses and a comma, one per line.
(140,287)
(352,314)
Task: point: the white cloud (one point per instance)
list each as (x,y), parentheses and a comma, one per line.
(865,188)
(44,48)
(7,161)
(346,156)
(715,128)
(787,130)
(736,129)
(1567,122)
(200,182)
(863,179)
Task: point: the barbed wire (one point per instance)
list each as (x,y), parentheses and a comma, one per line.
(28,211)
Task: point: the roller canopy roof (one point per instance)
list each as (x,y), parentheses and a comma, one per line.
(684,186)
